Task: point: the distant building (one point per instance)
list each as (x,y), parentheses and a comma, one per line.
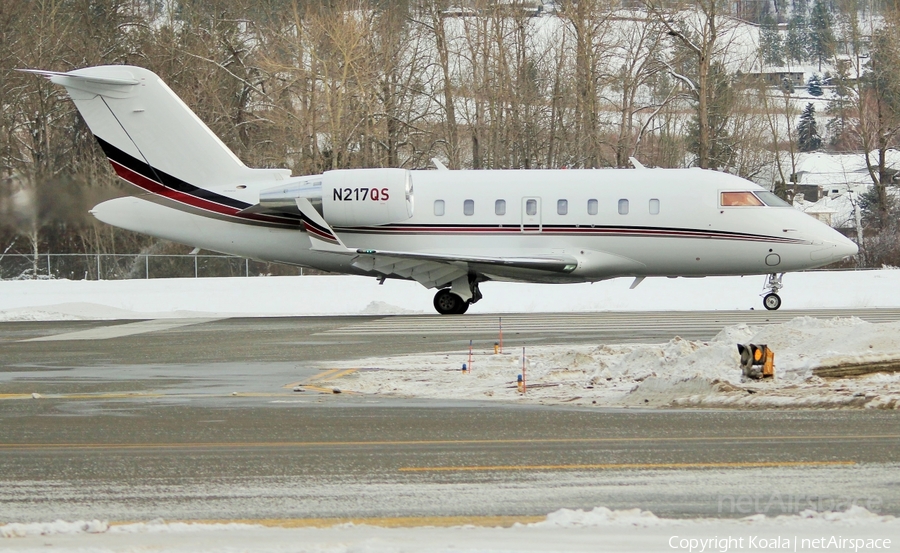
(774,77)
(835,174)
(823,181)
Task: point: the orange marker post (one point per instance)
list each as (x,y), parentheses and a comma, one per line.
(524,386)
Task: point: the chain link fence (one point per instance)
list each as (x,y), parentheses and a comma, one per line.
(130,266)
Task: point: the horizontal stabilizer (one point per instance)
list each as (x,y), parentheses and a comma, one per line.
(60,77)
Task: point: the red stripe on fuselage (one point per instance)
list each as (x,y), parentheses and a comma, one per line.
(154,187)
(596,231)
(311,229)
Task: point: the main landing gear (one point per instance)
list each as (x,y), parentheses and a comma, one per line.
(772,300)
(448,303)
(456,300)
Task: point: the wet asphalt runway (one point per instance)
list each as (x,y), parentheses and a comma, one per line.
(197,420)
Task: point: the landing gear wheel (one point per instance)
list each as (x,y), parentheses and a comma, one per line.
(772,301)
(448,303)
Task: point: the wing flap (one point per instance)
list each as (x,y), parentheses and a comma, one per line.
(435,270)
(554,263)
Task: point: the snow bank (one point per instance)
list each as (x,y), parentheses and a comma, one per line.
(599,517)
(597,530)
(29,300)
(20,530)
(677,373)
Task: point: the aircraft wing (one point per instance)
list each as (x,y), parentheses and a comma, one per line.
(436,269)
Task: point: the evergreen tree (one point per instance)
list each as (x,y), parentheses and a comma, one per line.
(807,131)
(814,85)
(787,85)
(796,46)
(721,104)
(821,36)
(771,46)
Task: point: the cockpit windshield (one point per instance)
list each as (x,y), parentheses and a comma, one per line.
(771,199)
(756,198)
(731,199)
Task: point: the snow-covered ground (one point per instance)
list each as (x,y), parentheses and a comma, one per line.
(565,530)
(680,373)
(350,295)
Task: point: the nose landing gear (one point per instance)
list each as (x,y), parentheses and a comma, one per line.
(772,300)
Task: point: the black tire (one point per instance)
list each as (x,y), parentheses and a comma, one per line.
(772,301)
(448,303)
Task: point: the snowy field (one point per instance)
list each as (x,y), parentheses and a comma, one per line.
(598,530)
(349,295)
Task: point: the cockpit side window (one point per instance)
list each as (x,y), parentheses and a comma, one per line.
(732,199)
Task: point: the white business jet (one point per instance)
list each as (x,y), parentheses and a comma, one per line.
(448,230)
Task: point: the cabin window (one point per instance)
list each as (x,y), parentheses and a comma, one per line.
(469,207)
(531,207)
(623,207)
(500,207)
(731,199)
(654,207)
(562,207)
(592,207)
(439,207)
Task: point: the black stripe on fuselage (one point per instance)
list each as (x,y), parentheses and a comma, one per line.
(569,230)
(165,179)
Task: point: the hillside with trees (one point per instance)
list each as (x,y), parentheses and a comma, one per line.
(477,84)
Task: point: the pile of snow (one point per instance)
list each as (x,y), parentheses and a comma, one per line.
(677,373)
(599,529)
(601,516)
(20,530)
(27,300)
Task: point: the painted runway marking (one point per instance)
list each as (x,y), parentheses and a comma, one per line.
(324,376)
(522,441)
(632,466)
(119,331)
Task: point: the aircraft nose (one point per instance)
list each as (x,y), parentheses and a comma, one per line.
(843,247)
(833,247)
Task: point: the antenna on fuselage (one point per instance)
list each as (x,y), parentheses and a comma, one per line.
(637,164)
(437,163)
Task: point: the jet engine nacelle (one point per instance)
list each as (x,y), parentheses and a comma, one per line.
(364,197)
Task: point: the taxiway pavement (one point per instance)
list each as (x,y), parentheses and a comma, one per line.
(198,421)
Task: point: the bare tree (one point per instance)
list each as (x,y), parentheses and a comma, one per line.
(696,28)
(636,47)
(589,24)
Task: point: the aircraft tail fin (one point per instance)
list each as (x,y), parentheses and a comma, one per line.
(150,136)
